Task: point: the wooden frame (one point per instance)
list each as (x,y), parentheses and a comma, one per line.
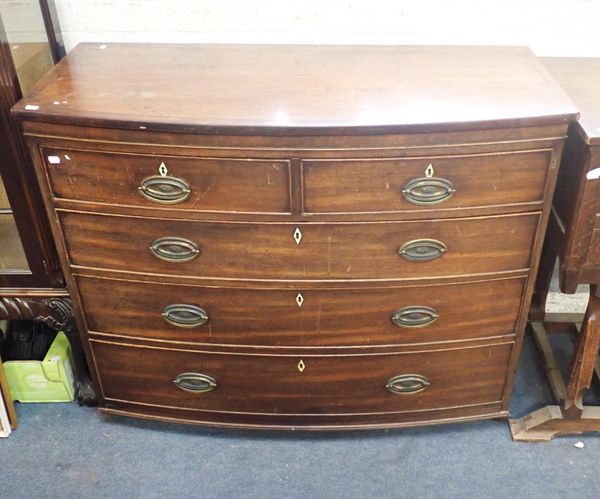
(39,293)
(568,416)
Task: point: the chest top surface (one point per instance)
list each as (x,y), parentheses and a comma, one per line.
(297,89)
(580,77)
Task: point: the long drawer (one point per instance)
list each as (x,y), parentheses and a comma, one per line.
(279,385)
(378,250)
(304,317)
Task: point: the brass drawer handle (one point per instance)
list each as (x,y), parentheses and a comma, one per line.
(183,315)
(422,250)
(164,189)
(407,384)
(195,382)
(428,190)
(174,249)
(414,316)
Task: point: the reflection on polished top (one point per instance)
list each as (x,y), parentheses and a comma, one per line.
(580,77)
(295,89)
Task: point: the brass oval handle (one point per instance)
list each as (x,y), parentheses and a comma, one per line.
(414,316)
(422,250)
(195,382)
(428,190)
(184,315)
(165,189)
(407,383)
(174,249)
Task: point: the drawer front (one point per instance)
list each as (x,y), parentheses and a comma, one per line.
(303,251)
(408,184)
(306,317)
(281,385)
(199,184)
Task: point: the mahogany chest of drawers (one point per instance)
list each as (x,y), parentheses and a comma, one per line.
(299,237)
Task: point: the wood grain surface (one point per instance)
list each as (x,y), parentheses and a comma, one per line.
(272,316)
(327,385)
(326,251)
(227,185)
(297,89)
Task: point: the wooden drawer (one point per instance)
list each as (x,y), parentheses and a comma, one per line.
(215,184)
(273,317)
(324,251)
(280,384)
(377,185)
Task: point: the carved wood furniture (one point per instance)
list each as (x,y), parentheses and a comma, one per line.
(31,282)
(299,237)
(573,236)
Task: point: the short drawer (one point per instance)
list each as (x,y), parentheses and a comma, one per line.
(377,250)
(412,184)
(304,317)
(199,184)
(279,385)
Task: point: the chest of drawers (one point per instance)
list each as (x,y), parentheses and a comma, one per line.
(299,237)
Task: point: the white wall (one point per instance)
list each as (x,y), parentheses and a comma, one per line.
(549,27)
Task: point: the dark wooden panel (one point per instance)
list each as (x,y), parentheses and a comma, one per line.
(376,185)
(327,385)
(335,317)
(230,185)
(319,422)
(297,89)
(326,251)
(273,146)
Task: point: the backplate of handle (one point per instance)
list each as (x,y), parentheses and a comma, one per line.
(428,190)
(165,189)
(184,315)
(174,249)
(414,316)
(422,250)
(406,384)
(195,382)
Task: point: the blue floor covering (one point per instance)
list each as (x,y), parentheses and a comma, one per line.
(66,451)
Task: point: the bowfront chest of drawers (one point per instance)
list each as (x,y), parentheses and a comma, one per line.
(299,237)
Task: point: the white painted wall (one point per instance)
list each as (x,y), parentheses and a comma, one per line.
(549,27)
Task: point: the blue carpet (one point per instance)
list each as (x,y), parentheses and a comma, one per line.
(62,450)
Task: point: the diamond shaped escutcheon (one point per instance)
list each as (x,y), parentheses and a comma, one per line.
(297,235)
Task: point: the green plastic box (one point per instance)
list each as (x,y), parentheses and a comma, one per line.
(49,380)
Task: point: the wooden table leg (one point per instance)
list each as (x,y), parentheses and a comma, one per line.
(571,416)
(542,282)
(584,358)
